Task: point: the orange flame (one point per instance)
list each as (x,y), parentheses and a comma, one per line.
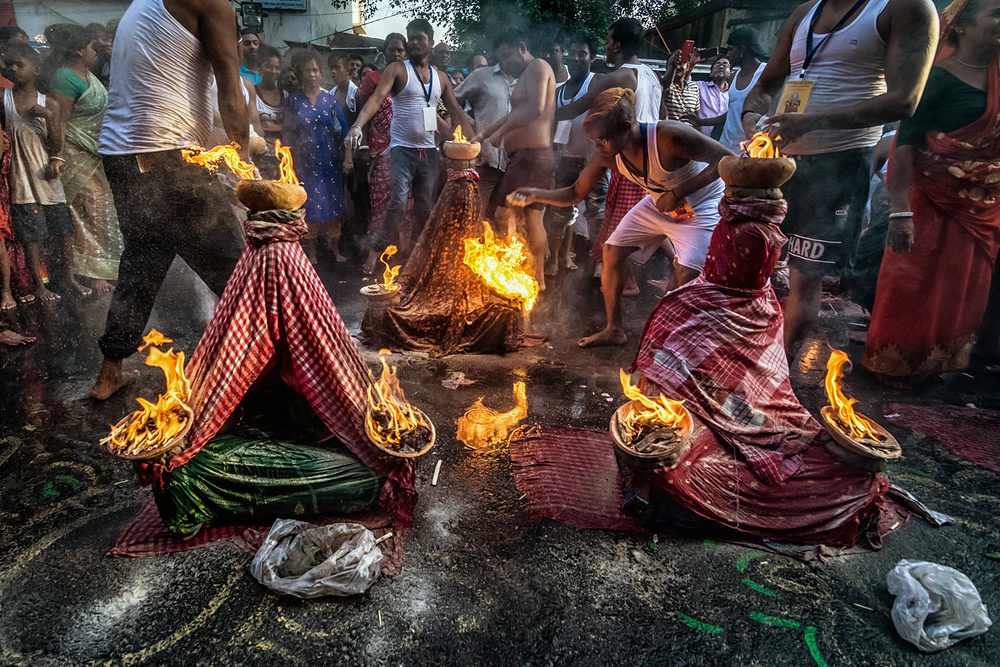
(661,410)
(482,427)
(284,154)
(228,154)
(154,425)
(500,266)
(386,399)
(458,137)
(760,145)
(390,273)
(850,422)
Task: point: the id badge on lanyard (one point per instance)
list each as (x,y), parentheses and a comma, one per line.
(430,119)
(795,94)
(563,128)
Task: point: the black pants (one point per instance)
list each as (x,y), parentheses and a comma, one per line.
(176,209)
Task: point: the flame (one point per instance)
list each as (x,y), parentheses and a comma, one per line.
(229,154)
(154,425)
(499,265)
(848,421)
(482,427)
(284,154)
(458,137)
(760,145)
(390,273)
(386,399)
(660,411)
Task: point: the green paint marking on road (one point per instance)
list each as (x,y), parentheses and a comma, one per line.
(48,491)
(743,562)
(709,543)
(700,626)
(774,620)
(810,638)
(69,479)
(761,589)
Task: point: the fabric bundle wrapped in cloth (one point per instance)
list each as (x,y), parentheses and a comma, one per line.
(278,395)
(445,308)
(756,461)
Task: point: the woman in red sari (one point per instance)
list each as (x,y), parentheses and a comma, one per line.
(377,133)
(944,232)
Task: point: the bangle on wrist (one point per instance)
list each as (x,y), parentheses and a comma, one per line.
(901,214)
(746,111)
(56,157)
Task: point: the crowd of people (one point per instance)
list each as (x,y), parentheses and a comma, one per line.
(615,152)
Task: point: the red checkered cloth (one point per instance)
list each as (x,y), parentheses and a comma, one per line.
(720,349)
(145,535)
(569,475)
(623,195)
(275,302)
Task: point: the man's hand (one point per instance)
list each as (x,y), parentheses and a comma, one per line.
(791,126)
(899,236)
(54,170)
(749,122)
(354,138)
(521,197)
(666,202)
(691,119)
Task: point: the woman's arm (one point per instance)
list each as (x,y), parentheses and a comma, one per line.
(568,196)
(899,236)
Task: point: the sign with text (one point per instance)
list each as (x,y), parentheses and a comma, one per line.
(299,5)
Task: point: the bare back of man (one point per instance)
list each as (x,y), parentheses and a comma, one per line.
(526,133)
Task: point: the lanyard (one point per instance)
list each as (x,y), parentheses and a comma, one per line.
(810,50)
(645,162)
(427,88)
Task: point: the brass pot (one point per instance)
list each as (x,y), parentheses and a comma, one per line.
(268,195)
(756,172)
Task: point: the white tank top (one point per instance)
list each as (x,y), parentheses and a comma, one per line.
(159,95)
(658,180)
(408,106)
(732,131)
(577,139)
(848,69)
(648,92)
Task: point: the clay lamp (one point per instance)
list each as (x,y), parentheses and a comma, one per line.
(762,168)
(254,193)
(460,151)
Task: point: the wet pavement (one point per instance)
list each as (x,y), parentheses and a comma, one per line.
(480,584)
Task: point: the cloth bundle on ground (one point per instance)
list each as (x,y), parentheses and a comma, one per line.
(278,394)
(445,308)
(759,466)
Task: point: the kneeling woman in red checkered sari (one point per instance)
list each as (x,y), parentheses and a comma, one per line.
(756,461)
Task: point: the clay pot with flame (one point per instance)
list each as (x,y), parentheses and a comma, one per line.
(460,148)
(269,195)
(762,168)
(649,432)
(254,193)
(385,293)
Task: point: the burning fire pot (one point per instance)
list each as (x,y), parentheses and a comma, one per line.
(386,293)
(482,427)
(857,441)
(648,432)
(762,168)
(254,193)
(155,428)
(392,424)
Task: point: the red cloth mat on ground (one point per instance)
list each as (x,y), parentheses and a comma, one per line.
(968,433)
(145,535)
(569,475)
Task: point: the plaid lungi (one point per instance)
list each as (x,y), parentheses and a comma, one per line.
(623,194)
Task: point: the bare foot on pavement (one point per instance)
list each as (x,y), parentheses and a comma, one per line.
(605,337)
(110,379)
(11,339)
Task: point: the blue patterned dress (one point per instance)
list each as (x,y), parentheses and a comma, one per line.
(315,133)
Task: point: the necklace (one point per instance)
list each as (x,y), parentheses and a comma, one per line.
(967,64)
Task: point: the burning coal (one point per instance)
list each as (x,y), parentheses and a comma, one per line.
(501,267)
(391,422)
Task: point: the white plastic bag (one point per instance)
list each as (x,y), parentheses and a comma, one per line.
(936,606)
(309,561)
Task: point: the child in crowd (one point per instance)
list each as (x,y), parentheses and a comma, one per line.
(38,202)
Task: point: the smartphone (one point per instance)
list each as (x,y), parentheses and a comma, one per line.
(686,52)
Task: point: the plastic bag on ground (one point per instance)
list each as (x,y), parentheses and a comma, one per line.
(310,561)
(936,606)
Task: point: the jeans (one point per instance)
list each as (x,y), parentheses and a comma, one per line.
(409,167)
(177,210)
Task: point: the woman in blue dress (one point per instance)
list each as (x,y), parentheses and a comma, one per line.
(314,127)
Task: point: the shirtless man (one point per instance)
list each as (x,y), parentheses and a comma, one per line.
(416,86)
(676,165)
(526,133)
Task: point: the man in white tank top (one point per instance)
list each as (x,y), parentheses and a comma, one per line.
(745,53)
(867,62)
(167,207)
(577,148)
(416,87)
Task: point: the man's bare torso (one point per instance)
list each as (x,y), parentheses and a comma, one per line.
(536,83)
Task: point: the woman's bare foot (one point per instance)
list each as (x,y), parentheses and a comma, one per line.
(570,265)
(101,286)
(11,339)
(606,337)
(110,379)
(7,301)
(369,266)
(44,294)
(551,268)
(338,257)
(80,289)
(26,298)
